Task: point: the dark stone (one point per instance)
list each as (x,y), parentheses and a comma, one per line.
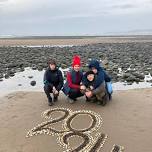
(131,78)
(126,75)
(40,68)
(34,67)
(33,83)
(6,76)
(22,69)
(1,76)
(146,72)
(12,74)
(139,75)
(30,77)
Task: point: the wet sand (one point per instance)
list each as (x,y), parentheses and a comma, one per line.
(74,41)
(126,121)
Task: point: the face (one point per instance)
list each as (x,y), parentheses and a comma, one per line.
(94,70)
(90,77)
(52,66)
(76,68)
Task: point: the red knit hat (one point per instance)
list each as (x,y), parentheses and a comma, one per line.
(76,61)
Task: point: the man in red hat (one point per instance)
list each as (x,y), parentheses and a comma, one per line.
(72,86)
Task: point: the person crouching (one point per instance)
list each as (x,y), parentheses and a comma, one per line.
(88,84)
(53,82)
(101,78)
(74,77)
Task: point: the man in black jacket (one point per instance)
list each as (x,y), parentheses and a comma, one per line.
(53,82)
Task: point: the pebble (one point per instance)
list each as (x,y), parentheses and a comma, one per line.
(33,83)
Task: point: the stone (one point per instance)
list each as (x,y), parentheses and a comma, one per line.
(33,83)
(6,76)
(30,77)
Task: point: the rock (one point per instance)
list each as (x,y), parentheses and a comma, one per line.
(22,69)
(1,76)
(19,84)
(6,76)
(34,67)
(139,75)
(129,83)
(40,68)
(12,74)
(1,79)
(126,75)
(146,72)
(30,77)
(33,83)
(131,78)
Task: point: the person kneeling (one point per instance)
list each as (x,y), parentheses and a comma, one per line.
(88,85)
(72,86)
(101,78)
(53,82)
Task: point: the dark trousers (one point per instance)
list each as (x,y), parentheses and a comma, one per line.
(73,94)
(48,90)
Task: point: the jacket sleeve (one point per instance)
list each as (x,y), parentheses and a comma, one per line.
(70,84)
(107,78)
(60,85)
(99,89)
(83,80)
(45,80)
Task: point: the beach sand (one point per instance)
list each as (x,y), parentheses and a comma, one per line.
(126,121)
(74,41)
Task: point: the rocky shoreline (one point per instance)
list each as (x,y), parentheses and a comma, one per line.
(125,62)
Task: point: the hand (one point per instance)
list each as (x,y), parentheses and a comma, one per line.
(91,87)
(56,92)
(88,94)
(54,88)
(82,87)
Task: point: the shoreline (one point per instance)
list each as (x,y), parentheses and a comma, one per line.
(21,82)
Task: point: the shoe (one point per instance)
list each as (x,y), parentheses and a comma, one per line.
(87,99)
(71,101)
(110,97)
(104,102)
(99,103)
(50,103)
(55,98)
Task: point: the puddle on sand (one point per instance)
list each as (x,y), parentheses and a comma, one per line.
(21,82)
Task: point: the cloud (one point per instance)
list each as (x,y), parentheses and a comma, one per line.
(69,16)
(124,6)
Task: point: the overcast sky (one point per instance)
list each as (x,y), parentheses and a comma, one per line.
(73,17)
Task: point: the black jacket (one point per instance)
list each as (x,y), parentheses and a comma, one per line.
(53,78)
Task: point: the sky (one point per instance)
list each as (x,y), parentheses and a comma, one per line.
(74,17)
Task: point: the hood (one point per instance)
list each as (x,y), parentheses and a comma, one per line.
(95,64)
